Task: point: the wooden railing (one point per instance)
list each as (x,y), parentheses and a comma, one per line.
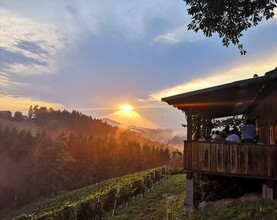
(249,160)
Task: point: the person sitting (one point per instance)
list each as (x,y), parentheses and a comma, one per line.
(222,137)
(196,136)
(248,132)
(233,137)
(215,135)
(227,130)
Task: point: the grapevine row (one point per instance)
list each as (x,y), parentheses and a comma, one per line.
(93,200)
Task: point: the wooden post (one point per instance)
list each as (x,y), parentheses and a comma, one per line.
(209,127)
(189,190)
(189,121)
(115,203)
(189,139)
(189,176)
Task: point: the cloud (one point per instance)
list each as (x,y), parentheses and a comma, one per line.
(13,58)
(32,47)
(178,35)
(19,103)
(224,75)
(181,34)
(6,82)
(168,38)
(27,46)
(133,20)
(94,18)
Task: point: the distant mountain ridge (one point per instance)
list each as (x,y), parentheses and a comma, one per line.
(172,137)
(111,122)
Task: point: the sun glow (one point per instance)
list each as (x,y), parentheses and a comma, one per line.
(126,114)
(127,110)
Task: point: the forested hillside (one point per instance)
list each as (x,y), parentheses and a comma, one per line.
(85,151)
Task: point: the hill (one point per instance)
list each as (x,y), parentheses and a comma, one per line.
(94,200)
(163,199)
(173,138)
(55,122)
(111,122)
(166,202)
(64,151)
(21,125)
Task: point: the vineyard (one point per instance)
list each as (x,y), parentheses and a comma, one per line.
(93,201)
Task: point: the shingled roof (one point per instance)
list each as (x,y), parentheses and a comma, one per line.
(225,100)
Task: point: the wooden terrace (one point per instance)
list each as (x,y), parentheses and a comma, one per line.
(255,98)
(239,160)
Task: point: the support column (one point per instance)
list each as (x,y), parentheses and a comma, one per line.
(189,190)
(189,138)
(189,176)
(189,124)
(267,191)
(209,126)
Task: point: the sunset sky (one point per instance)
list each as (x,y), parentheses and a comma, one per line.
(95,56)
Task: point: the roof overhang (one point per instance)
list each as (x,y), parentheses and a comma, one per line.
(230,99)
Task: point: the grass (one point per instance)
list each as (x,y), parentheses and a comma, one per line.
(166,201)
(266,209)
(163,202)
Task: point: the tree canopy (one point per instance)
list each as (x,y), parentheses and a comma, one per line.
(228,18)
(18,116)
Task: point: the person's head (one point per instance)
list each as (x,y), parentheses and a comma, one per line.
(233,131)
(223,134)
(217,132)
(248,121)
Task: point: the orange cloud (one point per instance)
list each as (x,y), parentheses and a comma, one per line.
(222,76)
(13,103)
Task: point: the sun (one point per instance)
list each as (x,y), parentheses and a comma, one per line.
(127,115)
(127,110)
